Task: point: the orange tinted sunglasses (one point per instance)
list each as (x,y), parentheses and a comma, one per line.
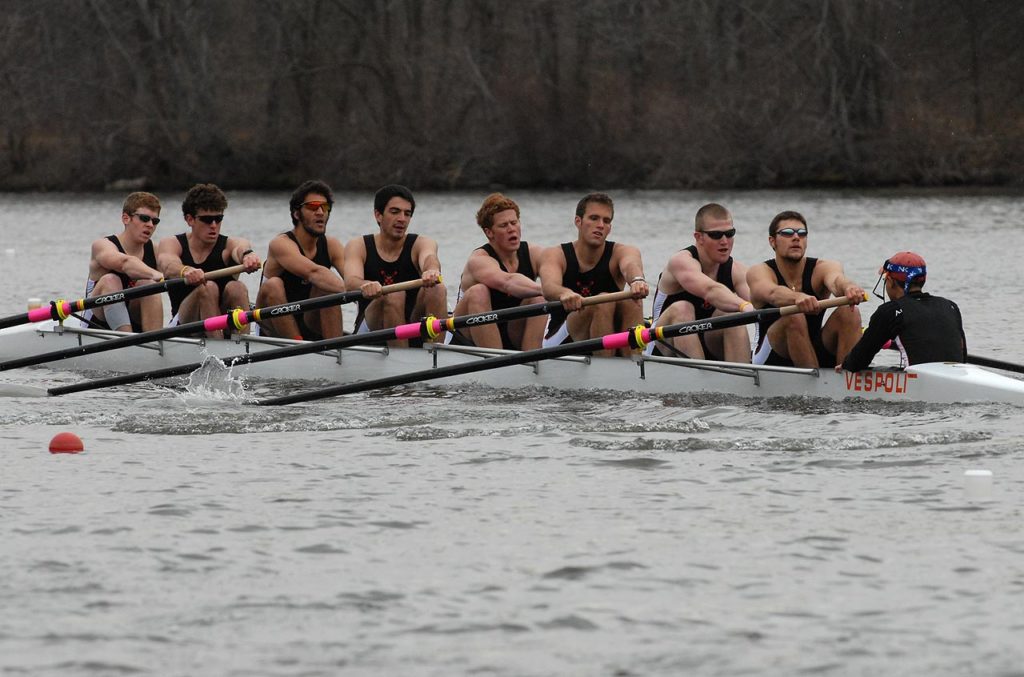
(314,205)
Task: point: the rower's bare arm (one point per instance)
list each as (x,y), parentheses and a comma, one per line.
(631,266)
(725,299)
(336,251)
(766,291)
(168,257)
(289,257)
(108,257)
(354,270)
(552,271)
(835,281)
(486,270)
(424,252)
(239,251)
(687,273)
(739,283)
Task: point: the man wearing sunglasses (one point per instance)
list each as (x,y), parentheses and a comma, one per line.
(200,250)
(393,255)
(299,266)
(924,328)
(793,278)
(704,280)
(120,261)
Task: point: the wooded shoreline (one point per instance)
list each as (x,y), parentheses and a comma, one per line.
(540,94)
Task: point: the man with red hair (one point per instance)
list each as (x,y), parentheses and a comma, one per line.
(502,274)
(924,328)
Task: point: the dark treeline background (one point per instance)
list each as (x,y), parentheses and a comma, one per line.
(552,93)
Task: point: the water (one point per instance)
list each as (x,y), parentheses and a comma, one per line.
(434,531)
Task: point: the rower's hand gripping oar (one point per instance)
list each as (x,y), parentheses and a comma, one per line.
(235,319)
(431,327)
(61,310)
(637,337)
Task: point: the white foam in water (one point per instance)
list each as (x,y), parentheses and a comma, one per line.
(214,381)
(978,484)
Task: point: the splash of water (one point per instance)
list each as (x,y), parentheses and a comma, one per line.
(214,381)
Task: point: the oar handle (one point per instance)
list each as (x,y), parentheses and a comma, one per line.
(608,298)
(402,286)
(226,272)
(833,302)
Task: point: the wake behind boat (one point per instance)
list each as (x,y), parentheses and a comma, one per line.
(933,383)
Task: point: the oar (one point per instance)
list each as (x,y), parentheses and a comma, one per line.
(995,364)
(430,327)
(235,319)
(638,337)
(61,310)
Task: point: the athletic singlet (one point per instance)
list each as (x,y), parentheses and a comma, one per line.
(148,257)
(215,261)
(499,299)
(702,308)
(298,289)
(825,358)
(376,269)
(295,287)
(925,328)
(597,280)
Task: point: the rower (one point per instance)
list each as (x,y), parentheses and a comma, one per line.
(393,255)
(592,264)
(793,278)
(299,266)
(924,328)
(120,261)
(702,281)
(501,274)
(200,250)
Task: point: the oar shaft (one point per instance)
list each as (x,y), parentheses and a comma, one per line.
(237,319)
(995,364)
(635,338)
(411,330)
(61,310)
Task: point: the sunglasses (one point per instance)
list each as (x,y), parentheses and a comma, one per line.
(210,219)
(719,234)
(790,232)
(315,205)
(146,218)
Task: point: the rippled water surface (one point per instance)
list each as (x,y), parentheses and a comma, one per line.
(439,531)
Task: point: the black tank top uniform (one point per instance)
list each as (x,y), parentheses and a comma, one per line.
(402,269)
(299,289)
(825,358)
(597,280)
(149,258)
(501,300)
(215,261)
(701,308)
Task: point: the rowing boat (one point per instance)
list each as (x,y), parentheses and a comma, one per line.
(938,382)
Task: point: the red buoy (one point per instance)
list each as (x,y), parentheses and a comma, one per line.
(66,443)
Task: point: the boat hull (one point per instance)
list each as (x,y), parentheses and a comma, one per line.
(940,383)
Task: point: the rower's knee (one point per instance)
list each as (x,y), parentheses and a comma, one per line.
(680,311)
(477,298)
(271,292)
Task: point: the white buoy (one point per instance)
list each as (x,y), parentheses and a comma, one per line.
(10,251)
(34,303)
(978,484)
